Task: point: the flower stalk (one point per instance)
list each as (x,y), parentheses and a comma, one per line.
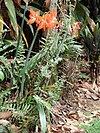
(19,40)
(26,62)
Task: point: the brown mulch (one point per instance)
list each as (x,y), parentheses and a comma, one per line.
(70,110)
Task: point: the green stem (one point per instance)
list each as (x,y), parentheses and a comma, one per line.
(19,40)
(26,62)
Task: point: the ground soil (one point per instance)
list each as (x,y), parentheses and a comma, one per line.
(82,104)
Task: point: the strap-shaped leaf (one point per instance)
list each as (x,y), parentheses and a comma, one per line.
(1,75)
(41,108)
(42,117)
(12,14)
(1,25)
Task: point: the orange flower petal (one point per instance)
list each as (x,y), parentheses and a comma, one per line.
(33,16)
(38,20)
(42,25)
(31,21)
(32,12)
(53,13)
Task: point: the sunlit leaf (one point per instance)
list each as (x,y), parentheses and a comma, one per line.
(25,39)
(44,103)
(41,104)
(42,117)
(1,25)
(1,21)
(1,75)
(12,14)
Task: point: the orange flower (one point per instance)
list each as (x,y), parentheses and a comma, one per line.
(33,16)
(52,20)
(42,22)
(48,20)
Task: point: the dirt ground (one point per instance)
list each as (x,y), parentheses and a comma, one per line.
(80,105)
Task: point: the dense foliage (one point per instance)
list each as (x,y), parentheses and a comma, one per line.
(38,66)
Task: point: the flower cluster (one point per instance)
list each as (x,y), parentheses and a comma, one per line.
(48,20)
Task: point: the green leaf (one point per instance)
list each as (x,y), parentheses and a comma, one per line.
(1,25)
(81,12)
(83,76)
(45,72)
(2,58)
(12,14)
(44,103)
(1,75)
(41,104)
(42,117)
(31,28)
(1,129)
